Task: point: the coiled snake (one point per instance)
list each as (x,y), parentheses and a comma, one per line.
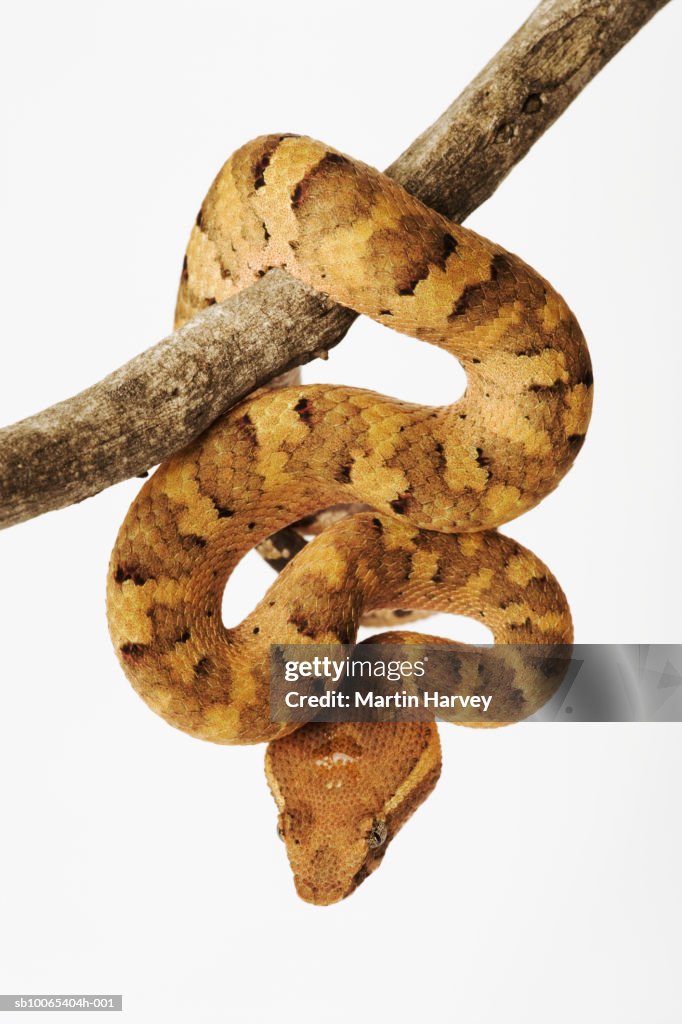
(440,479)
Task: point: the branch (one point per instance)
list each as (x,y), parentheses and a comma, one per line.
(162,399)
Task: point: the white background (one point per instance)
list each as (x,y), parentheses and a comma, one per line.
(541,879)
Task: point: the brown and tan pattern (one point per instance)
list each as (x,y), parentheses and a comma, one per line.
(441,479)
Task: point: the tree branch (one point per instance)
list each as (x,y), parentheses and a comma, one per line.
(162,399)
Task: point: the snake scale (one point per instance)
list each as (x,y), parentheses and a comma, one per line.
(440,479)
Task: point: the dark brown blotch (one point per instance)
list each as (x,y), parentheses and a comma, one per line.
(259,170)
(192,540)
(502,267)
(575,442)
(449,246)
(297,195)
(127,572)
(304,410)
(301,190)
(482,460)
(470,298)
(302,624)
(409,288)
(402,503)
(247,425)
(133,652)
(343,472)
(556,388)
(336,158)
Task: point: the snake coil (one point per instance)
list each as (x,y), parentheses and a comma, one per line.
(440,479)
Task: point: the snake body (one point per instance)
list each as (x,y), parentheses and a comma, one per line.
(440,480)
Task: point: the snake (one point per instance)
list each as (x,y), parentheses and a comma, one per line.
(438,481)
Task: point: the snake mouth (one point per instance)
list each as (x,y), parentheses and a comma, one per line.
(374,859)
(318,896)
(326,893)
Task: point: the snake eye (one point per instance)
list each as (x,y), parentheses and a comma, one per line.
(377,834)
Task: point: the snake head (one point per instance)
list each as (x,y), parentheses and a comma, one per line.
(343,790)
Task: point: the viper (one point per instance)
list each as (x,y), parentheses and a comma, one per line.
(439,482)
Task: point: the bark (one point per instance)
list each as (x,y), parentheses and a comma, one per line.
(162,399)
